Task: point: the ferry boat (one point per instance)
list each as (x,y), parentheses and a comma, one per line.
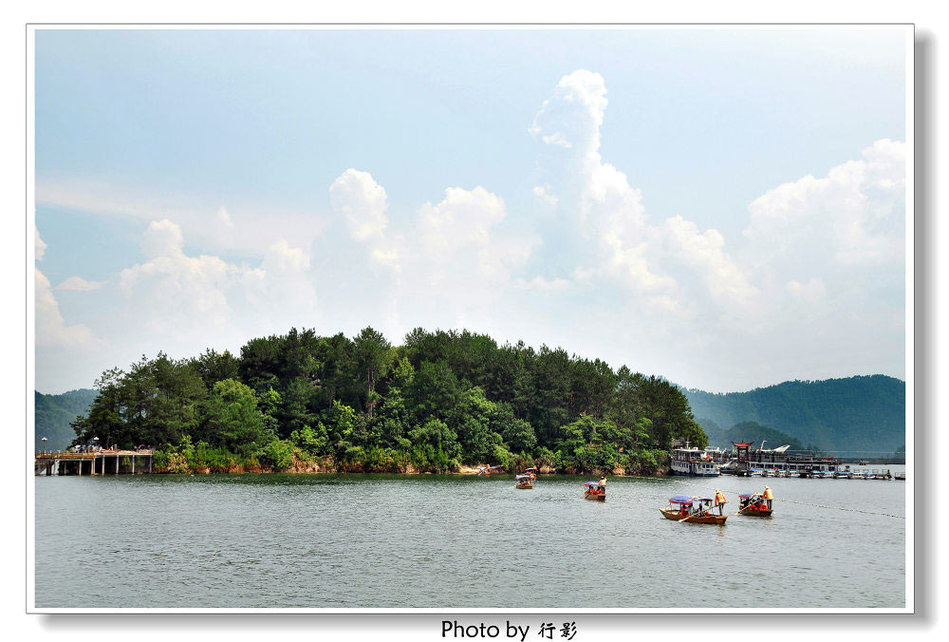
(524,482)
(693,462)
(753,462)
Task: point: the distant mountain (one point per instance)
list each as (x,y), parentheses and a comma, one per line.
(750,431)
(53,414)
(853,416)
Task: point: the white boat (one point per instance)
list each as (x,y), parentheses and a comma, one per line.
(693,462)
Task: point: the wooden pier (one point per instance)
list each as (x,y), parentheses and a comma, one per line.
(100,462)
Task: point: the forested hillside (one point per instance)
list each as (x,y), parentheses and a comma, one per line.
(439,401)
(750,431)
(857,416)
(54,414)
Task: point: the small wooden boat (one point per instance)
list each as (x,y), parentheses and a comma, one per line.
(524,482)
(532,472)
(487,470)
(681,509)
(753,505)
(594,491)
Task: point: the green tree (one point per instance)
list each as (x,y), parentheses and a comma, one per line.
(233,419)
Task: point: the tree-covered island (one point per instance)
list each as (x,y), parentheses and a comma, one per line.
(440,402)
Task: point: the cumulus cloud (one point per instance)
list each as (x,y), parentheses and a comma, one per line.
(162,238)
(704,252)
(39,244)
(462,220)
(173,289)
(362,201)
(178,293)
(79,284)
(853,216)
(657,261)
(51,328)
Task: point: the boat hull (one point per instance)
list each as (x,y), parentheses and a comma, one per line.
(599,497)
(754,512)
(693,519)
(524,486)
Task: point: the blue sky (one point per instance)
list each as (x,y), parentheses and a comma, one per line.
(721,207)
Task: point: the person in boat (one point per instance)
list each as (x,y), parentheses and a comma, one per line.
(768,496)
(603,483)
(720,501)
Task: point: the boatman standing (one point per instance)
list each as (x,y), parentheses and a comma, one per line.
(720,501)
(768,496)
(603,482)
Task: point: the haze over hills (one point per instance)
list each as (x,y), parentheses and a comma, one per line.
(856,416)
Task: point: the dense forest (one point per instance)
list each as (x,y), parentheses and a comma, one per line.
(441,401)
(53,415)
(856,416)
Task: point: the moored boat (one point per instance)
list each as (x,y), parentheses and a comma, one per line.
(695,510)
(524,482)
(694,463)
(594,491)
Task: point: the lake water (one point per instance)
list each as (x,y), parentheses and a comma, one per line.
(378,541)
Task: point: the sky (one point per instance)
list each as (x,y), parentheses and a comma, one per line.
(724,207)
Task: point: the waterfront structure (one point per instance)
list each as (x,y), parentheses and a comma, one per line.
(778,462)
(94,462)
(694,462)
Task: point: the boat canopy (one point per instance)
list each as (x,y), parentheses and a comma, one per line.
(681,499)
(592,485)
(522,477)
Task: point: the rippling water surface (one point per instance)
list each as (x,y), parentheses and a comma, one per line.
(453,542)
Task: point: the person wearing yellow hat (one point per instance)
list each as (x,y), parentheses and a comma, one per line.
(768,496)
(720,501)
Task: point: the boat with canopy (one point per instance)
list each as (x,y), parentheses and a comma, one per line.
(524,482)
(753,505)
(593,490)
(696,510)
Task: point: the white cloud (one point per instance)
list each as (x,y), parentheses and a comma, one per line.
(162,238)
(462,220)
(250,228)
(705,253)
(362,200)
(810,292)
(40,245)
(200,297)
(541,284)
(656,261)
(51,328)
(223,218)
(854,216)
(283,259)
(79,284)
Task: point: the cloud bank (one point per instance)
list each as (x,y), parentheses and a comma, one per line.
(814,279)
